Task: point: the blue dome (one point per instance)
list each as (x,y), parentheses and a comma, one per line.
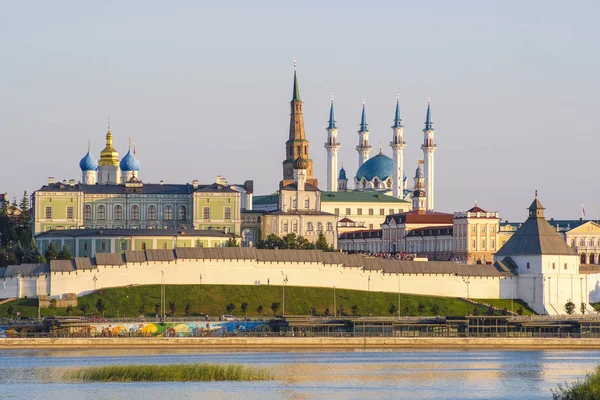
(342,174)
(129,162)
(88,163)
(379,167)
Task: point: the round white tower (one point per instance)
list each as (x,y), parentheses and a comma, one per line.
(89,167)
(332,145)
(363,148)
(130,166)
(397,144)
(429,149)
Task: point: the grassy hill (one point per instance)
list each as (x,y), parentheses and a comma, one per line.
(213,300)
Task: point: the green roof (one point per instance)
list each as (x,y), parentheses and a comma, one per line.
(360,197)
(266,199)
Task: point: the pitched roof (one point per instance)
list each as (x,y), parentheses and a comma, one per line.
(145,188)
(366,196)
(416,217)
(535,237)
(132,232)
(476,209)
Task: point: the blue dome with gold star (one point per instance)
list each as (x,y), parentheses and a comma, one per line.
(129,162)
(379,167)
(88,163)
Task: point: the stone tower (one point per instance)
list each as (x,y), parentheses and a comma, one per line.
(296,145)
(429,149)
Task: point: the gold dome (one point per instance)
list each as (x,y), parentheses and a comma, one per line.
(109,157)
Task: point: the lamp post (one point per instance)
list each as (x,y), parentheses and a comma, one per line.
(369,295)
(334,304)
(200,296)
(285,279)
(467,281)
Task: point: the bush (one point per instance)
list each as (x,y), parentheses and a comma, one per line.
(589,389)
(230,307)
(392,309)
(569,307)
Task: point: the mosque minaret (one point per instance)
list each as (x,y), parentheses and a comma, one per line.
(363,148)
(429,149)
(332,145)
(397,144)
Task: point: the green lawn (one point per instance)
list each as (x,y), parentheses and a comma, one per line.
(213,300)
(502,303)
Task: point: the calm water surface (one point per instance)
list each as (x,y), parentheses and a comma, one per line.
(434,374)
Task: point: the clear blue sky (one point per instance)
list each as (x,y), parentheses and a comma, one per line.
(203,89)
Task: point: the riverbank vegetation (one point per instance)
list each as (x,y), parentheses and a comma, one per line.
(588,389)
(170,373)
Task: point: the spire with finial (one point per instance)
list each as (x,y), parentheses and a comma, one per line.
(428,123)
(296,94)
(89,145)
(363,118)
(331,115)
(380,148)
(397,119)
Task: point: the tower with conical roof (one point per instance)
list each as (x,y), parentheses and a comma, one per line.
(108,168)
(429,149)
(363,148)
(89,168)
(296,145)
(397,144)
(332,145)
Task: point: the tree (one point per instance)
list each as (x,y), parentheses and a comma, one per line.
(101,306)
(32,254)
(69,309)
(322,244)
(188,308)
(156,308)
(392,309)
(582,308)
(25,216)
(520,311)
(64,254)
(408,310)
(52,304)
(569,307)
(505,311)
(10,310)
(232,242)
(84,307)
(326,312)
(354,310)
(259,309)
(230,308)
(476,311)
(51,253)
(142,309)
(275,307)
(421,308)
(244,308)
(435,309)
(271,242)
(312,311)
(172,307)
(490,311)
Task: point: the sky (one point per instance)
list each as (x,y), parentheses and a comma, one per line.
(203,89)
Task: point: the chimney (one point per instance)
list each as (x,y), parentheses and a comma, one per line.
(50,180)
(71,182)
(220,180)
(195,183)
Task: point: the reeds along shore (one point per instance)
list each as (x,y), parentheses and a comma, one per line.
(588,389)
(171,372)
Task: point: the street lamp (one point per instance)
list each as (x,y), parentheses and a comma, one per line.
(285,279)
(334,304)
(467,281)
(369,295)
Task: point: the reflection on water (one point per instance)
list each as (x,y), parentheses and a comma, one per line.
(420,374)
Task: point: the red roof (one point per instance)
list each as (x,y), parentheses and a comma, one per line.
(477,209)
(346,219)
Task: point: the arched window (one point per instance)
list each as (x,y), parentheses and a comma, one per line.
(582,242)
(319,227)
(168,213)
(101,212)
(151,213)
(591,242)
(329,227)
(118,213)
(309,227)
(135,213)
(247,238)
(87,212)
(181,214)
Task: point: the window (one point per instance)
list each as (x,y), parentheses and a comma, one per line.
(135,213)
(336,211)
(227,212)
(151,213)
(118,213)
(165,246)
(48,212)
(87,212)
(573,242)
(101,212)
(85,246)
(329,227)
(382,211)
(370,211)
(553,265)
(295,226)
(319,227)
(565,265)
(473,244)
(359,211)
(391,210)
(182,214)
(473,229)
(492,245)
(284,225)
(103,246)
(143,246)
(482,228)
(348,211)
(309,227)
(307,202)
(123,245)
(482,244)
(591,242)
(206,212)
(493,229)
(371,226)
(527,265)
(581,242)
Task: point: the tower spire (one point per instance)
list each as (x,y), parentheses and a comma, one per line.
(331,115)
(428,123)
(296,94)
(429,149)
(397,119)
(363,148)
(397,144)
(363,118)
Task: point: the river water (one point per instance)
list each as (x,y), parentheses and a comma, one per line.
(415,374)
